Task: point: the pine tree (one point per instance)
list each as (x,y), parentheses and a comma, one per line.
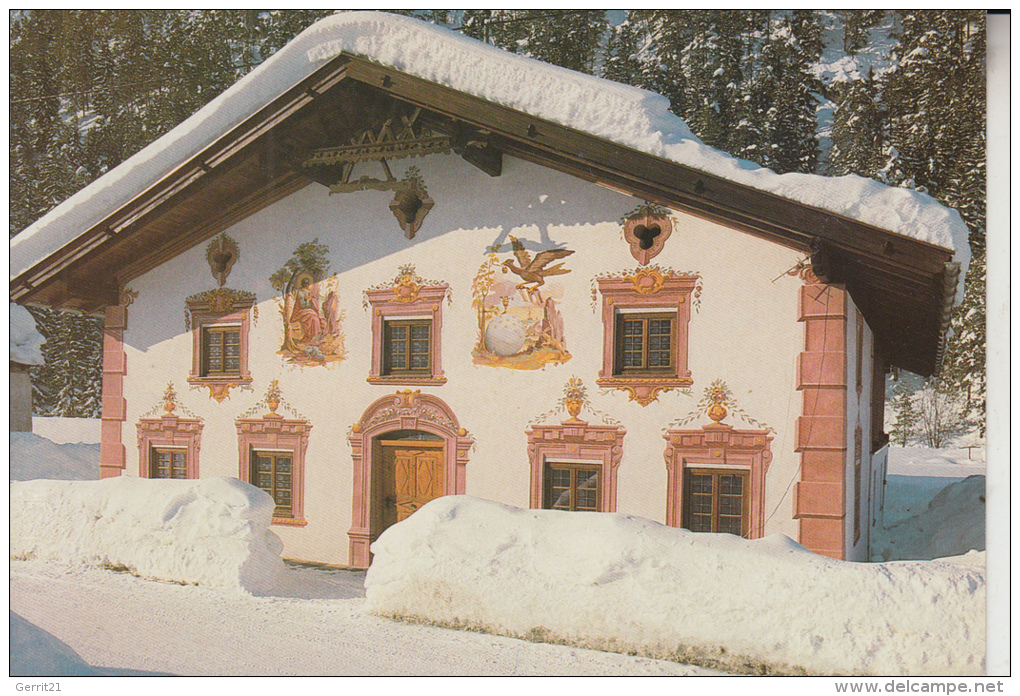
(856,130)
(782,102)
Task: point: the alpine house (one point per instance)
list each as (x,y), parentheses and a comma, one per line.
(393,263)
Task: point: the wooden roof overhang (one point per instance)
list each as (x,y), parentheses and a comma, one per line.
(904,287)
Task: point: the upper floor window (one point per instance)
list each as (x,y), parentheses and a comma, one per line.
(221,350)
(645,318)
(407,326)
(407,348)
(220,321)
(645,344)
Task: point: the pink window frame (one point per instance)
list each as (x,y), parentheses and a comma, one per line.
(169,431)
(647,290)
(203,316)
(576,442)
(717,446)
(273,432)
(387,305)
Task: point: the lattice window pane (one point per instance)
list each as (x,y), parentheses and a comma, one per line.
(571,487)
(715,501)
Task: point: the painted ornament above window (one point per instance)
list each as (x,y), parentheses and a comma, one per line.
(519,323)
(717,402)
(222,253)
(646,230)
(309,305)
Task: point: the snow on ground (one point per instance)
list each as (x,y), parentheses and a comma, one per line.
(934,504)
(65,431)
(618,582)
(71,617)
(627,115)
(315,625)
(36,653)
(212,532)
(35,457)
(26,341)
(952,524)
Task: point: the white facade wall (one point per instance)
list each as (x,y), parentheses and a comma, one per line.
(745,332)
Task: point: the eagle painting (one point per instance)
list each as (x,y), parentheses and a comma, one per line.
(532,272)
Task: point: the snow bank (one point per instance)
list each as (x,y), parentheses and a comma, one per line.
(37,653)
(26,341)
(63,430)
(626,115)
(212,532)
(36,457)
(951,525)
(622,583)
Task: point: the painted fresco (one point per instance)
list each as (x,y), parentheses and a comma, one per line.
(309,306)
(519,322)
(717,402)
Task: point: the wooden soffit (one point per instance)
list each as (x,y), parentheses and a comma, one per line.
(900,284)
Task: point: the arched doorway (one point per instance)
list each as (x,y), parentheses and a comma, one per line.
(407,449)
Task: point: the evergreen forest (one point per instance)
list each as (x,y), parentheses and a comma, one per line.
(898,96)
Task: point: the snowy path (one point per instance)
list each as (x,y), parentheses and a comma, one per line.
(115,620)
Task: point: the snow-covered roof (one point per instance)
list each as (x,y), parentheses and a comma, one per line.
(26,341)
(626,115)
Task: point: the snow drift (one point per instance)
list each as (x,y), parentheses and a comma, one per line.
(952,524)
(37,653)
(26,341)
(622,583)
(212,532)
(36,457)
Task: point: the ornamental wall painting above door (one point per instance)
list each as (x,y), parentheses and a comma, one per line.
(309,304)
(519,322)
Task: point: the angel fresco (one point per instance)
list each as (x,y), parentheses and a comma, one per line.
(520,324)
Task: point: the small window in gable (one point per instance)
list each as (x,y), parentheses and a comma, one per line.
(407,324)
(220,321)
(645,318)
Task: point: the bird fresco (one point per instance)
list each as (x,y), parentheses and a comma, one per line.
(520,325)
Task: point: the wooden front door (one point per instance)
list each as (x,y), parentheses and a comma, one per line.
(412,475)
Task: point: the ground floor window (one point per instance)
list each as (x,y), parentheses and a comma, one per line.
(572,487)
(717,500)
(168,462)
(273,472)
